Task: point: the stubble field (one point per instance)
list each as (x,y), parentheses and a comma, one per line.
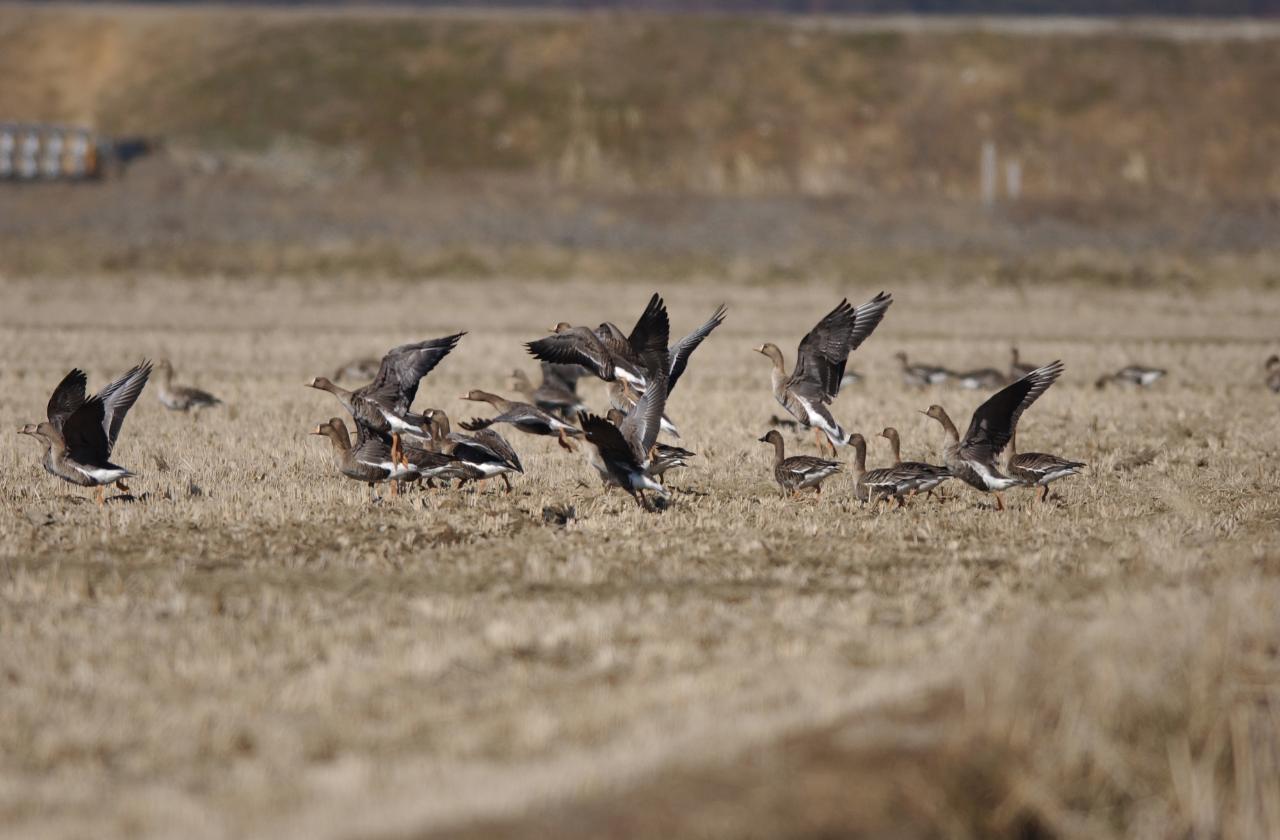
(251,648)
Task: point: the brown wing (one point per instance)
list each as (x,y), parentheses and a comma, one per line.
(67,397)
(404,366)
(578,346)
(118,397)
(822,353)
(996,419)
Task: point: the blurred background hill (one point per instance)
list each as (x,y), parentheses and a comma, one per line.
(457,131)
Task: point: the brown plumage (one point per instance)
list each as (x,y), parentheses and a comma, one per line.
(923,478)
(799,471)
(527,418)
(179,397)
(973,459)
(81,431)
(1038,469)
(815,381)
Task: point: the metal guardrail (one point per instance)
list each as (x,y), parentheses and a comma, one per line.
(39,152)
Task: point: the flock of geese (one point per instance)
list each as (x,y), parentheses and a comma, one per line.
(394,445)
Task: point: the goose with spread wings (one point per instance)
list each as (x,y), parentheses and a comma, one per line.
(81,431)
(623,452)
(815,381)
(382,406)
(974,459)
(613,357)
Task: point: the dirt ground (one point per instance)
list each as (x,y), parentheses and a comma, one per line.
(250,648)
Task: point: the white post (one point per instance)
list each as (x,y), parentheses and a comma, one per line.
(987,173)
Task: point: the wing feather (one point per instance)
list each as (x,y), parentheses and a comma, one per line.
(67,397)
(683,349)
(996,419)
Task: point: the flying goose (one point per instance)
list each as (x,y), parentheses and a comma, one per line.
(820,359)
(382,406)
(81,431)
(527,418)
(180,397)
(623,452)
(798,472)
(974,459)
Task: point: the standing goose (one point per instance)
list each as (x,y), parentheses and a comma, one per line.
(921,376)
(819,370)
(1273,373)
(974,459)
(1038,469)
(1017,367)
(880,484)
(180,397)
(382,407)
(923,477)
(972,380)
(81,431)
(1139,376)
(369,460)
(527,418)
(623,451)
(798,472)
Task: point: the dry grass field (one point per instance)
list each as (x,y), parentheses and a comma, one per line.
(251,648)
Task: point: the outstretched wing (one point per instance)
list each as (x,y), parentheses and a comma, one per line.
(641,425)
(652,330)
(67,397)
(578,346)
(996,419)
(118,397)
(866,318)
(683,349)
(822,353)
(404,366)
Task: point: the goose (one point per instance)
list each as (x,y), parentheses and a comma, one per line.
(486,453)
(382,406)
(973,380)
(921,376)
(362,369)
(180,397)
(81,431)
(880,484)
(1017,367)
(622,451)
(924,477)
(820,360)
(1038,469)
(606,353)
(558,392)
(973,458)
(1273,373)
(799,472)
(369,460)
(1137,375)
(527,418)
